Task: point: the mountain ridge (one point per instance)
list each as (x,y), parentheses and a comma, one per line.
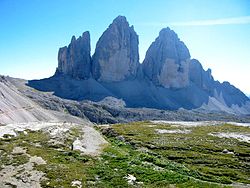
(167,79)
(16,107)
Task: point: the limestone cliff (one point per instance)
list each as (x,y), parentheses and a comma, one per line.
(116,57)
(75,60)
(167,61)
(167,79)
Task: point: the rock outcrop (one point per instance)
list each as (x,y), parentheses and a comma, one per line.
(75,60)
(116,56)
(167,79)
(201,78)
(167,61)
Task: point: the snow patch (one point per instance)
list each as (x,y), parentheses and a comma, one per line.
(239,124)
(239,136)
(187,123)
(178,131)
(197,123)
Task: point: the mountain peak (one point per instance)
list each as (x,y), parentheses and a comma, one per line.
(120,19)
(75,60)
(166,33)
(168,78)
(116,57)
(167,60)
(121,22)
(85,33)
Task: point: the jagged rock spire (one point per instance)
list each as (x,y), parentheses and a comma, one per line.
(167,60)
(116,56)
(75,60)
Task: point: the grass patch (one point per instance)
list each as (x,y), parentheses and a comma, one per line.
(119,160)
(198,151)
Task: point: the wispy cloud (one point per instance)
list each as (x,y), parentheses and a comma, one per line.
(212,22)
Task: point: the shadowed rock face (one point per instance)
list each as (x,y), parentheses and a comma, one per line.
(196,72)
(225,93)
(167,78)
(75,60)
(201,78)
(116,56)
(167,61)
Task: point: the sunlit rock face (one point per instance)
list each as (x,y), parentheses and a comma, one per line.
(75,60)
(116,57)
(167,61)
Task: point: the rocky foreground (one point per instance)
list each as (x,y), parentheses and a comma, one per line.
(62,150)
(26,146)
(141,154)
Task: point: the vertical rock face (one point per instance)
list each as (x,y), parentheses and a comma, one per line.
(201,78)
(195,72)
(167,78)
(167,61)
(116,56)
(75,60)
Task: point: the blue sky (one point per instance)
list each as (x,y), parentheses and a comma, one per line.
(217,33)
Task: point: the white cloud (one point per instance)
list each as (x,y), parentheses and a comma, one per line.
(212,22)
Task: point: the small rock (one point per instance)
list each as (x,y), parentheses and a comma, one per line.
(76,183)
(121,138)
(140,183)
(227,152)
(131,179)
(18,151)
(37,160)
(109,132)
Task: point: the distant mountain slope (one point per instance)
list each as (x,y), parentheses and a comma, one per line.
(110,109)
(167,79)
(17,108)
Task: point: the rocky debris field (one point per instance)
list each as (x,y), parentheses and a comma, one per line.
(41,154)
(16,107)
(112,110)
(23,175)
